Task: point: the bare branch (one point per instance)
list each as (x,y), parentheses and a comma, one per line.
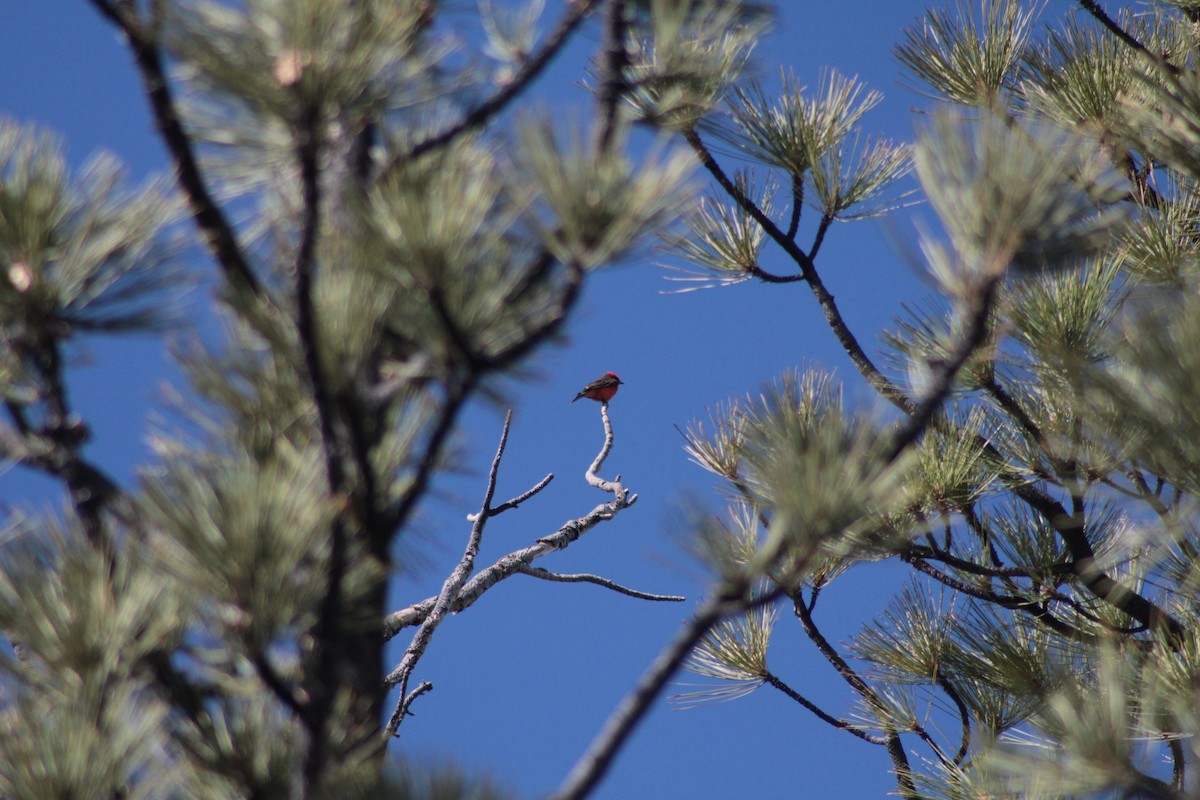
(402,709)
(546,575)
(521,498)
(503,568)
(614,486)
(450,590)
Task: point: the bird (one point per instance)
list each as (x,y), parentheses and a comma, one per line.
(602,389)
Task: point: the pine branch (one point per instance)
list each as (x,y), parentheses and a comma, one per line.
(547,327)
(1178,764)
(279,687)
(921,414)
(819,238)
(808,274)
(797,207)
(976,316)
(1125,36)
(55,446)
(931,553)
(494,105)
(402,509)
(330,648)
(612,81)
(1070,528)
(1038,610)
(964,715)
(894,746)
(710,163)
(218,232)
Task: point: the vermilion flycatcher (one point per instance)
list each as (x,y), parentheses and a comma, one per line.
(602,389)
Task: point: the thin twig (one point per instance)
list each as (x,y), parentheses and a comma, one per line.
(402,710)
(522,497)
(557,577)
(964,716)
(840,724)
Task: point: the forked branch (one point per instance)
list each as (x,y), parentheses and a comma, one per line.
(462,588)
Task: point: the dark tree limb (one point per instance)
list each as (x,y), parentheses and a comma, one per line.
(976,317)
(216,228)
(612,82)
(1036,609)
(490,108)
(797,207)
(964,716)
(824,716)
(592,766)
(1125,36)
(895,747)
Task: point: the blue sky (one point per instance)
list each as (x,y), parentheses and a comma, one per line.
(525,678)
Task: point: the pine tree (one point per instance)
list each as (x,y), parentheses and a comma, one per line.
(388,241)
(411,240)
(1036,473)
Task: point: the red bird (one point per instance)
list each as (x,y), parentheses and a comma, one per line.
(602,389)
